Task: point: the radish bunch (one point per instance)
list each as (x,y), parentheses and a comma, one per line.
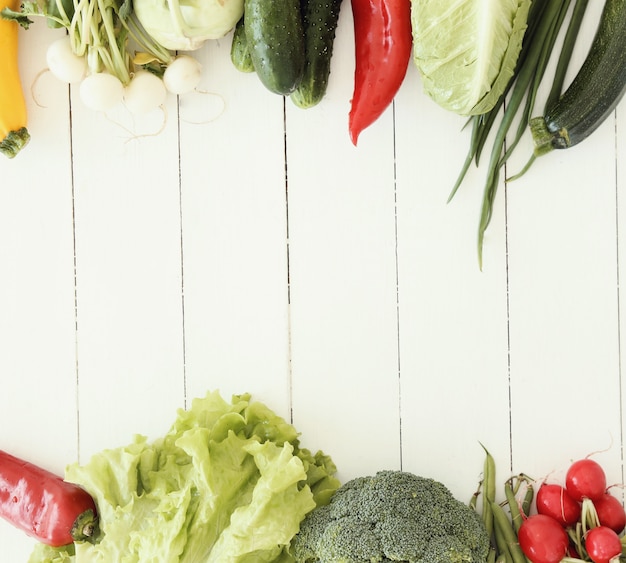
(576,521)
(95,54)
(141,89)
(579,520)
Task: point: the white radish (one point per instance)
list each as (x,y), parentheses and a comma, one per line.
(144,93)
(63,63)
(101,91)
(182,75)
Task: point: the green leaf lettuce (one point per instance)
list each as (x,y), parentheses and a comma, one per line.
(228,483)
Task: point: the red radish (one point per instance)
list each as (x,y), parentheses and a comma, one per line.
(543,539)
(603,545)
(585,478)
(610,512)
(553,500)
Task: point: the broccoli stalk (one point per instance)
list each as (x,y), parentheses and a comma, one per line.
(392,516)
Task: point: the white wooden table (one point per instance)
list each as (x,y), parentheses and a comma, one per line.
(138,271)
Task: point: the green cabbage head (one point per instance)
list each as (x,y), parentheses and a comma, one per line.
(466,50)
(184,25)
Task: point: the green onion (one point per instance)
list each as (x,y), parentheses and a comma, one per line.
(545,21)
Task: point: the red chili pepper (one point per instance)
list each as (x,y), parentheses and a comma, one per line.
(43,505)
(383,41)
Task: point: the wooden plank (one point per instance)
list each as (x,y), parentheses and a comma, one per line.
(342,277)
(563,306)
(620,168)
(234,235)
(38,411)
(562,237)
(452,315)
(128,274)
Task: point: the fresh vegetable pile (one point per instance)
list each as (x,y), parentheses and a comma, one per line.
(570,116)
(571,522)
(96,53)
(305,31)
(485,61)
(228,483)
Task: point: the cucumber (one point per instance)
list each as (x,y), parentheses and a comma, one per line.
(595,91)
(239,50)
(275,37)
(320,18)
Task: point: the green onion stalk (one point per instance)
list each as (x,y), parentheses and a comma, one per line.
(545,21)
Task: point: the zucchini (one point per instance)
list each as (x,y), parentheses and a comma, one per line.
(275,37)
(239,50)
(319,18)
(595,91)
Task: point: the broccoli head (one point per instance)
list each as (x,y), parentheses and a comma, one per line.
(392,516)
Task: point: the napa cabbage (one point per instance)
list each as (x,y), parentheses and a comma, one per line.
(185,25)
(466,50)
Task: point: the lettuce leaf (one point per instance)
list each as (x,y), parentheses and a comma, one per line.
(466,50)
(48,554)
(228,483)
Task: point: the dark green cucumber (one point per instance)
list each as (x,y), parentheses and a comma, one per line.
(595,91)
(239,49)
(320,18)
(275,37)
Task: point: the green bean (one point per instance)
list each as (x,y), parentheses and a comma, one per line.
(514,507)
(489,490)
(489,476)
(508,535)
(515,483)
(473,503)
(502,546)
(528,498)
